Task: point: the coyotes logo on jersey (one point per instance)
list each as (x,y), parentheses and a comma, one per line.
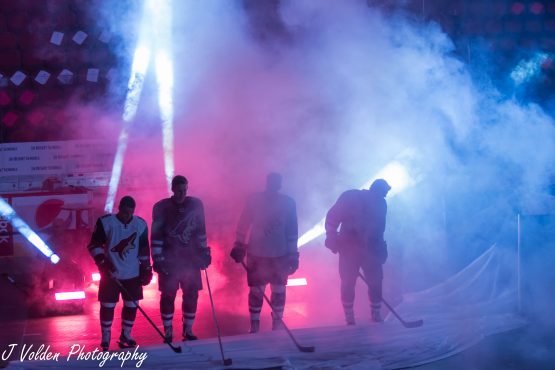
(185,228)
(124,246)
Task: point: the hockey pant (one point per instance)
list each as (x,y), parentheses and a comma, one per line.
(351,261)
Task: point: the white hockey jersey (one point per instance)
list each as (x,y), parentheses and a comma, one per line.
(126,245)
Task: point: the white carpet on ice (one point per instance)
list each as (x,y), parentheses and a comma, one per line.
(478,301)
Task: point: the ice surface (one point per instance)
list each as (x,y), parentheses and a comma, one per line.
(477,302)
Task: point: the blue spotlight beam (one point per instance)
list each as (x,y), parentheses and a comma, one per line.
(528,69)
(394,173)
(11,216)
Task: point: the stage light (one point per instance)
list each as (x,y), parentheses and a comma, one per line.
(297,282)
(396,176)
(517,8)
(42,77)
(18,78)
(67,296)
(9,214)
(57,38)
(528,69)
(96,277)
(537,8)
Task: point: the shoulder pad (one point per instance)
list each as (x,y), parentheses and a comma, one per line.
(140,219)
(161,202)
(195,200)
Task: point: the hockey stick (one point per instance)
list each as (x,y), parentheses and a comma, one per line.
(406,324)
(299,347)
(176,349)
(226,361)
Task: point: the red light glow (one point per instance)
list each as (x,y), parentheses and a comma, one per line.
(66,296)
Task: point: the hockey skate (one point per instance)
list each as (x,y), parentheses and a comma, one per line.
(376,315)
(126,342)
(105,341)
(255,326)
(350,318)
(168,334)
(188,334)
(277,324)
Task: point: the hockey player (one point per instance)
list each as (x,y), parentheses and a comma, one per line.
(179,252)
(119,246)
(271,248)
(360,216)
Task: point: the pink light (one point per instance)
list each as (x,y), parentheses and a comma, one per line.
(4,99)
(536,8)
(154,280)
(297,282)
(65,296)
(517,8)
(10,118)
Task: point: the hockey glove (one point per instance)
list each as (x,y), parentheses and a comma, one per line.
(292,263)
(332,242)
(204,258)
(238,252)
(105,266)
(145,274)
(161,267)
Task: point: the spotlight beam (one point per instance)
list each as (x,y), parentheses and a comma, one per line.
(165,85)
(141,60)
(11,216)
(528,69)
(155,33)
(162,20)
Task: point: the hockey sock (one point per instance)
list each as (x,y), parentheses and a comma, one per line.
(128,315)
(278,299)
(348,299)
(167,308)
(256,294)
(189,308)
(106,319)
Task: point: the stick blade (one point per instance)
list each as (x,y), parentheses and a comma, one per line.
(413,324)
(176,349)
(307,348)
(227,362)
